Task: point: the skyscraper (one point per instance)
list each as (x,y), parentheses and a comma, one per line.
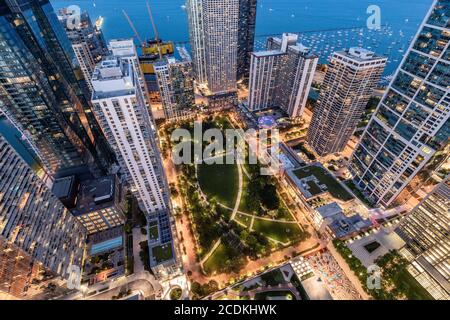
(35,227)
(121,110)
(406,140)
(348,85)
(246,37)
(176,85)
(40,91)
(282,76)
(87,41)
(426,233)
(221,26)
(197,39)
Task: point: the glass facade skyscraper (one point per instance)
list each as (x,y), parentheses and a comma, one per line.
(40,91)
(197,39)
(426,233)
(406,140)
(246,37)
(87,42)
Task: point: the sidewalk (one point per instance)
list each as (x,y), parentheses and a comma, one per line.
(348,272)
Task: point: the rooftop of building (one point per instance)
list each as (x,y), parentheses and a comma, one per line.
(95,194)
(122,47)
(267,53)
(360,55)
(162,63)
(343,226)
(112,77)
(314,180)
(110,68)
(63,187)
(329,210)
(288,43)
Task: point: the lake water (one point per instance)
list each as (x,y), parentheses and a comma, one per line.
(400,19)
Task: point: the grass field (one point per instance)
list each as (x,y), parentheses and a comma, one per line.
(414,288)
(280,231)
(219,257)
(246,220)
(219,182)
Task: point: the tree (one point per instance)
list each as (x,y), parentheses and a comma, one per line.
(269,197)
(210,287)
(175,293)
(197,289)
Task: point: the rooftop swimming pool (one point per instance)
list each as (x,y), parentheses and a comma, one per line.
(106,245)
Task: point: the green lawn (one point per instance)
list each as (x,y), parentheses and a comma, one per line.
(280,231)
(415,290)
(283,213)
(219,182)
(246,220)
(219,257)
(335,189)
(162,253)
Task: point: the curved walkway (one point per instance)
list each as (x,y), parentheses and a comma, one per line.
(233,214)
(239,195)
(210,252)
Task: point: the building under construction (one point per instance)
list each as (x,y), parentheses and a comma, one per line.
(152,52)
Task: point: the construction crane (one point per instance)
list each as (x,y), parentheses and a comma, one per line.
(132,27)
(154,29)
(143,44)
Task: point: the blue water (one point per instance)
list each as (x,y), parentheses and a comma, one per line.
(106,245)
(401,18)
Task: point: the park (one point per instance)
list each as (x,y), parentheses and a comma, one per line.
(236,214)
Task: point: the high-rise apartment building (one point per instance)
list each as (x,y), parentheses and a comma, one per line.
(246,37)
(121,110)
(176,85)
(221,33)
(348,85)
(282,76)
(40,91)
(220,26)
(406,140)
(426,233)
(35,227)
(86,39)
